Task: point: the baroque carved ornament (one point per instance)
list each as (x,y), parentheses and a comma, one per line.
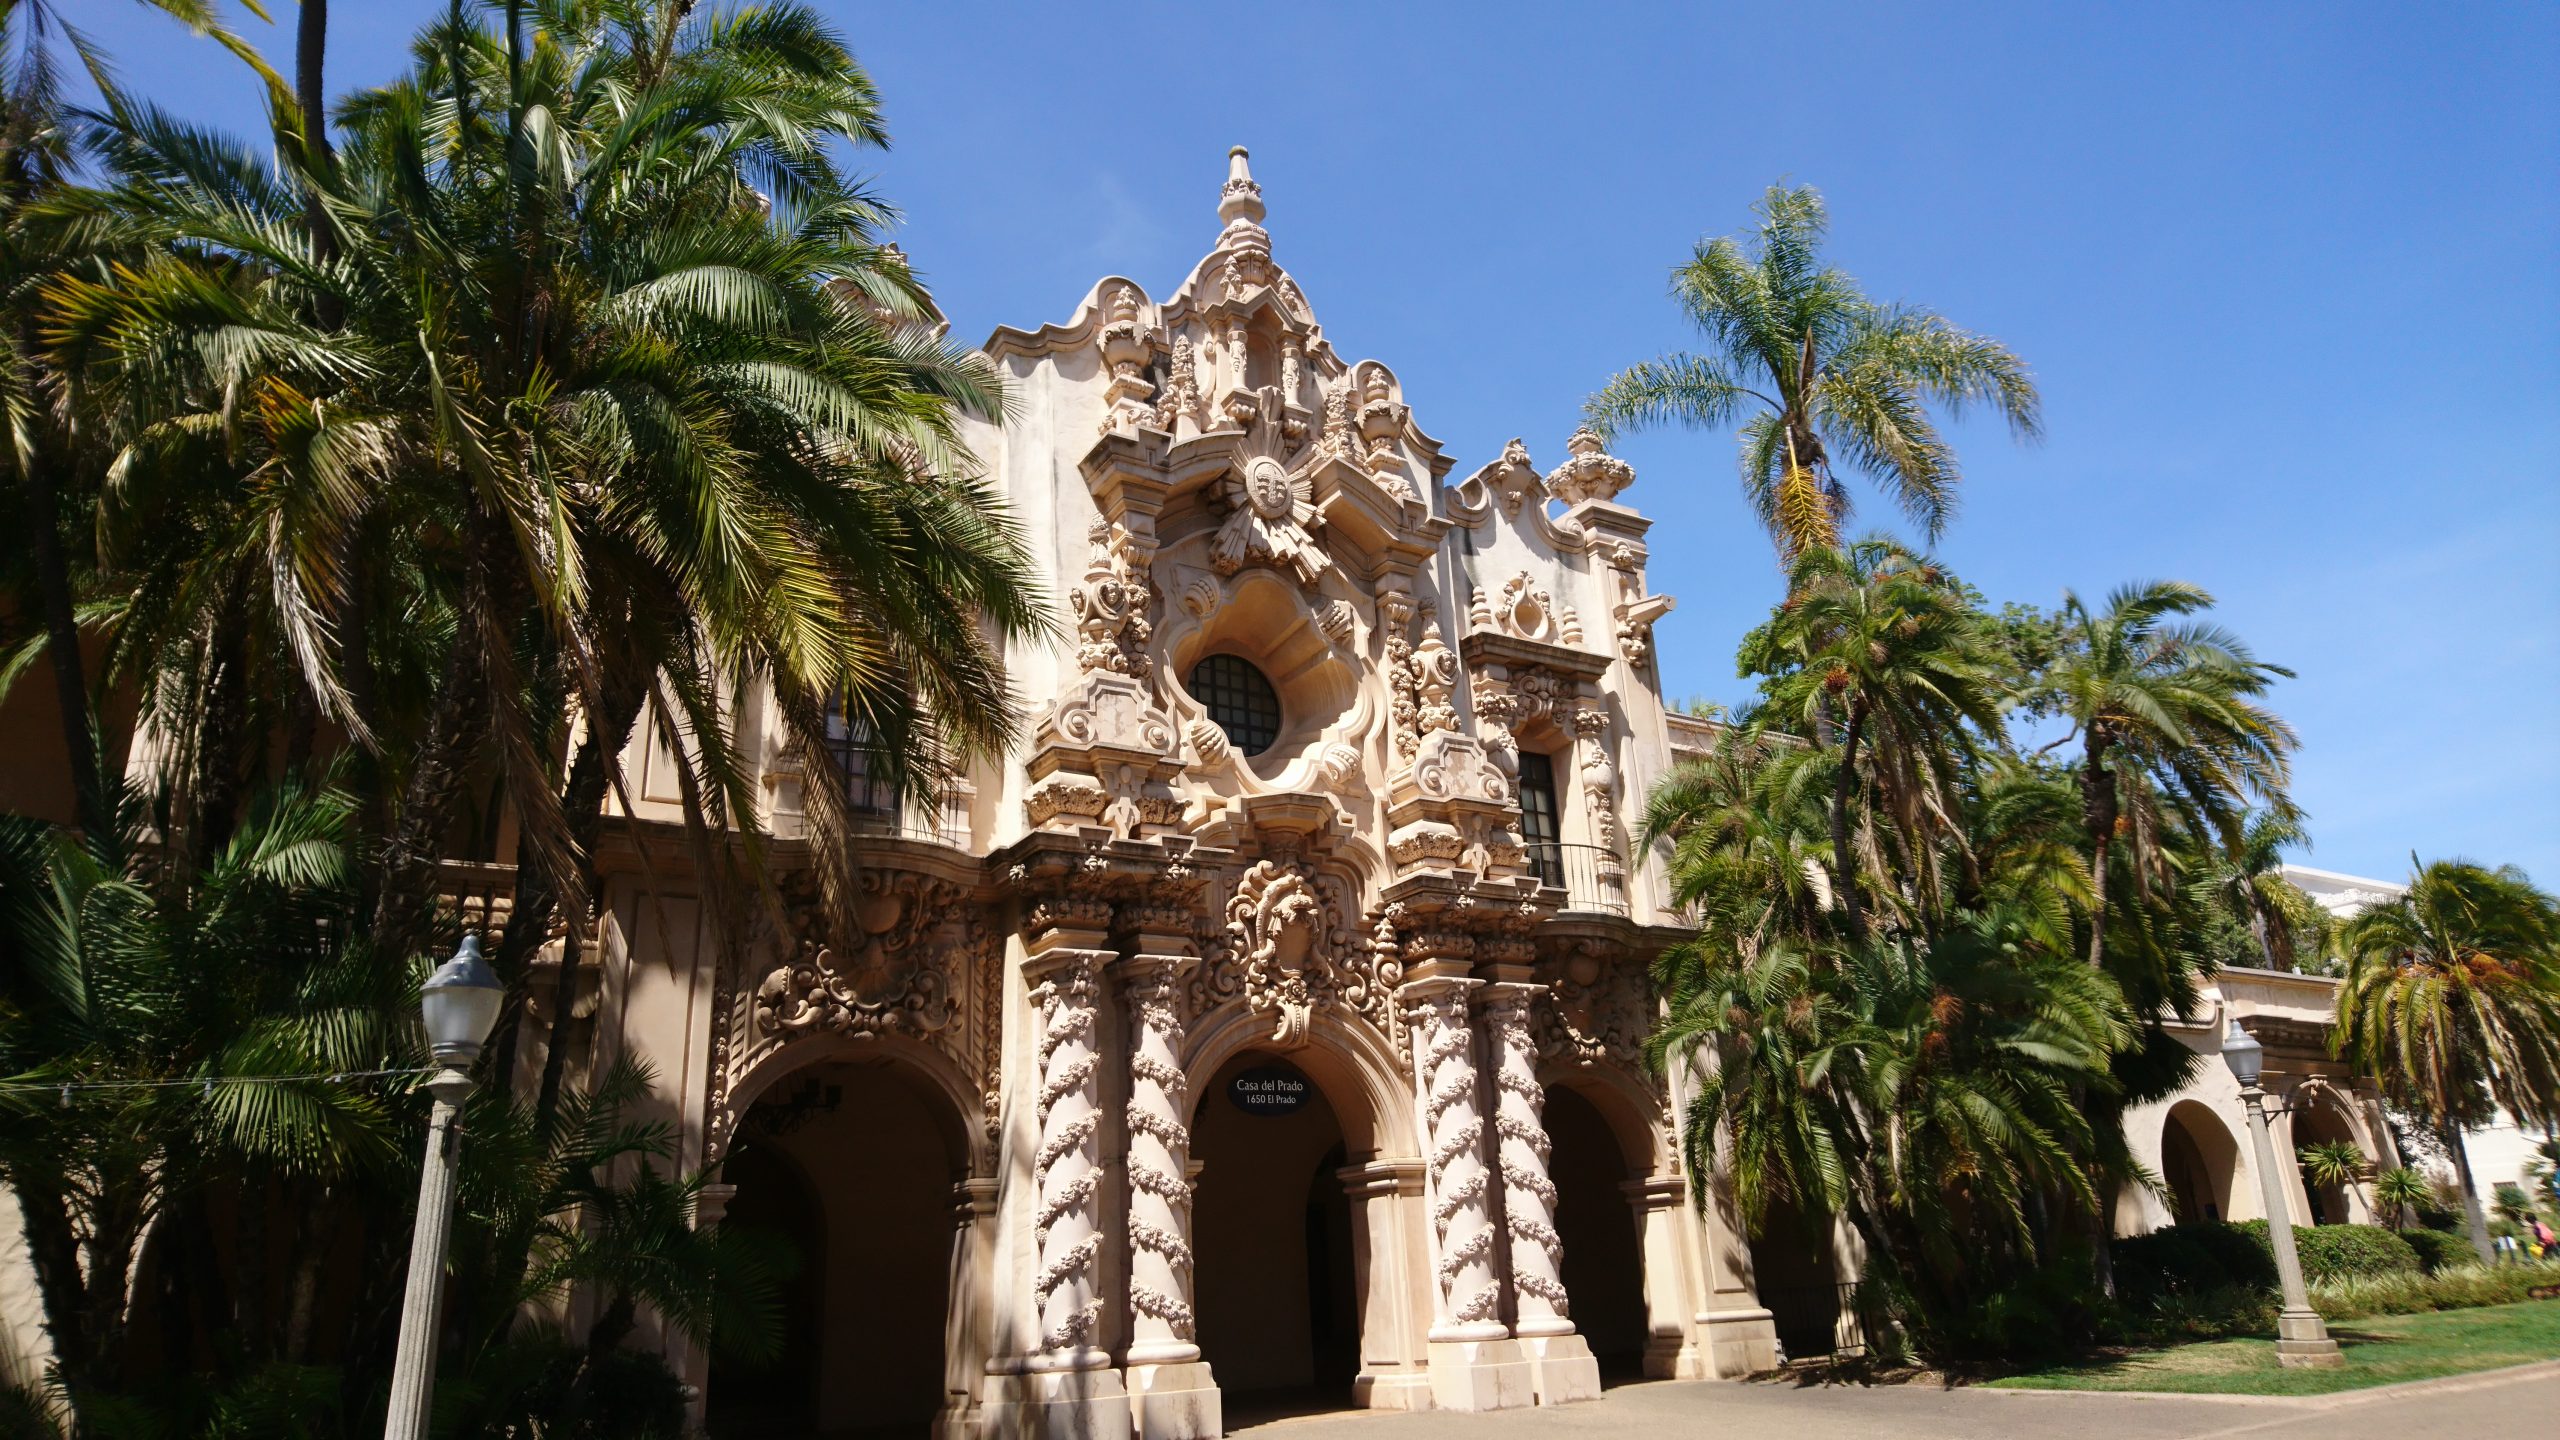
(1271,509)
(900,971)
(1288,950)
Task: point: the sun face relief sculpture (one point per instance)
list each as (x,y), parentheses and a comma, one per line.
(1272,514)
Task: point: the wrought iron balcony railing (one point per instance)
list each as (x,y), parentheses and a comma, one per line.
(1592,877)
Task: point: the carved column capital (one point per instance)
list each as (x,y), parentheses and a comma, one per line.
(1656,1192)
(1071,967)
(1142,975)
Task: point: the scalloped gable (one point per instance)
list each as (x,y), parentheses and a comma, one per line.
(1237,323)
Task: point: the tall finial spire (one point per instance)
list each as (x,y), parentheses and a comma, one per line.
(1242,198)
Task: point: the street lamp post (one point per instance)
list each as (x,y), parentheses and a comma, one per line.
(2302,1337)
(460,1003)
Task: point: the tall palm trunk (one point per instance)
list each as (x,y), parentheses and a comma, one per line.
(2473,1214)
(583,800)
(311,96)
(221,728)
(2098,809)
(1844,858)
(404,907)
(42,495)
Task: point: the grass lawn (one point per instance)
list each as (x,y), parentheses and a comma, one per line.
(2380,1351)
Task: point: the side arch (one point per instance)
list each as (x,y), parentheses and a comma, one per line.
(1606,1158)
(1631,1106)
(2200,1164)
(831,1047)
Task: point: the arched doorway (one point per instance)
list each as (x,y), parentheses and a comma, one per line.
(1603,1253)
(1797,1276)
(2320,1123)
(1275,1288)
(853,1164)
(2199,1161)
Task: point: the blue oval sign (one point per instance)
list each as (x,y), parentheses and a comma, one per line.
(1269,1090)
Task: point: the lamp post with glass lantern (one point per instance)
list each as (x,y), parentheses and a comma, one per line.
(2302,1337)
(460,1003)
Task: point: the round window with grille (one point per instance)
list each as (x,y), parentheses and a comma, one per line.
(1240,701)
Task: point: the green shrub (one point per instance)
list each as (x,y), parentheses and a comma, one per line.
(2192,1260)
(2457,1289)
(2439,1251)
(2217,1314)
(2341,1252)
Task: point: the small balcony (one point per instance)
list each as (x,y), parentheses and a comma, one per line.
(1592,877)
(877,809)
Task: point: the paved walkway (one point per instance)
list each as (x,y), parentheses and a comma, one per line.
(2503,1402)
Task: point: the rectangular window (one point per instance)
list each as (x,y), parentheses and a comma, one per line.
(1538,816)
(868,791)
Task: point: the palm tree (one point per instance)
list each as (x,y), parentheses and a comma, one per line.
(1925,1091)
(626,432)
(2250,881)
(2167,716)
(130,988)
(1875,647)
(2452,1001)
(2333,1163)
(1825,382)
(47,460)
(2399,1191)
(1743,829)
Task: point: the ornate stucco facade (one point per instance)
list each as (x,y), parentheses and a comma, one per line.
(1069,958)
(1270,1024)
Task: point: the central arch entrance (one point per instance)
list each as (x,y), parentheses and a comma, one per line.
(852,1164)
(1276,1288)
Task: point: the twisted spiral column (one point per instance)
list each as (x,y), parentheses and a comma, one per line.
(1065,984)
(1160,1316)
(1528,1194)
(1470,1295)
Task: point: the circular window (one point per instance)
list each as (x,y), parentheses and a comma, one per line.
(1239,700)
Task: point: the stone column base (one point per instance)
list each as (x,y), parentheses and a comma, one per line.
(2303,1343)
(1055,1405)
(1177,1401)
(1738,1343)
(1562,1368)
(1670,1356)
(1481,1375)
(956,1420)
(1392,1390)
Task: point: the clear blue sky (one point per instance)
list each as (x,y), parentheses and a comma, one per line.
(2287,275)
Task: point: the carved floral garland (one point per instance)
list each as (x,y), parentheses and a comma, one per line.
(1157,1091)
(1455,1133)
(1537,1252)
(1067,1177)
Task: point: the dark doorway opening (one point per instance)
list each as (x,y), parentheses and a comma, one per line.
(1276,1290)
(1793,1270)
(1603,1253)
(853,1167)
